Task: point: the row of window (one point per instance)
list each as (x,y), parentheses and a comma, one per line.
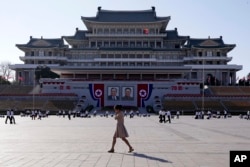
(207,62)
(42,53)
(125,44)
(107,44)
(126,56)
(125,31)
(208,53)
(125,64)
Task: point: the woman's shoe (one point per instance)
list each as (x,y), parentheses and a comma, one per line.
(111,151)
(131,150)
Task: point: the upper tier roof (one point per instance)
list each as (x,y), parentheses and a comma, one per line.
(79,35)
(208,43)
(126,16)
(43,43)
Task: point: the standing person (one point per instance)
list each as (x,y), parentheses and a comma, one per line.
(32,114)
(131,114)
(218,114)
(169,116)
(12,118)
(163,113)
(209,114)
(107,114)
(69,114)
(94,113)
(63,113)
(160,116)
(8,117)
(121,131)
(177,114)
(40,114)
(225,114)
(248,115)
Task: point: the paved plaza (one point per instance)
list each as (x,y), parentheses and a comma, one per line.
(59,142)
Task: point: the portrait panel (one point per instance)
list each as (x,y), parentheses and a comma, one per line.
(127,93)
(113,93)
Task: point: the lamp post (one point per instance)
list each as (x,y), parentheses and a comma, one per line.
(203,78)
(34,74)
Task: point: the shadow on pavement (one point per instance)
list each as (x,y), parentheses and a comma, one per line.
(149,157)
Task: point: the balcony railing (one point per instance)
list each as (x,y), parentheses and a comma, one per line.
(125,35)
(219,67)
(207,58)
(23,58)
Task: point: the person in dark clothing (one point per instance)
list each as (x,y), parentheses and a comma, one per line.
(12,118)
(8,117)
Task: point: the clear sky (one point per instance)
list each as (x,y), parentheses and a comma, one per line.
(230,19)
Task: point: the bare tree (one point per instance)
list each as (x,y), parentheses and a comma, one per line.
(5,70)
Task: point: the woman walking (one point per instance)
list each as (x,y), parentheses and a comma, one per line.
(121,131)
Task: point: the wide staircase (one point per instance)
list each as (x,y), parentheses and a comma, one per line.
(237,105)
(229,90)
(15,89)
(209,105)
(55,105)
(178,105)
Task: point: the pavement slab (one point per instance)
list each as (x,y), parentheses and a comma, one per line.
(60,142)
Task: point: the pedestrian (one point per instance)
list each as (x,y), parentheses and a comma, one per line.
(121,131)
(248,115)
(12,118)
(131,114)
(47,113)
(8,117)
(218,114)
(177,114)
(69,114)
(40,114)
(169,116)
(209,114)
(163,113)
(94,114)
(33,115)
(63,113)
(107,114)
(225,114)
(160,116)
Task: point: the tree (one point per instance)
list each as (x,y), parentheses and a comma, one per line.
(6,72)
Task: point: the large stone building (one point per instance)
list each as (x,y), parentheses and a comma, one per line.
(132,45)
(129,47)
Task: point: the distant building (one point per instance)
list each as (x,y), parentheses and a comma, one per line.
(130,47)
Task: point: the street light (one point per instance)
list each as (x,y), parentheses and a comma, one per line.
(203,78)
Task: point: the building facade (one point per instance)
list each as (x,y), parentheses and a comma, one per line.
(127,53)
(128,45)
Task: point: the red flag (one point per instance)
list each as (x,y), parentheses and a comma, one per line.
(142,93)
(145,31)
(98,93)
(20,78)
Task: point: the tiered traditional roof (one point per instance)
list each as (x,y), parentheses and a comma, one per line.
(43,43)
(204,43)
(124,17)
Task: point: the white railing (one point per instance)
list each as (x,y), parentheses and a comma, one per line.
(42,58)
(207,58)
(125,35)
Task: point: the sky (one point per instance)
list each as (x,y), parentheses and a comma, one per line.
(195,18)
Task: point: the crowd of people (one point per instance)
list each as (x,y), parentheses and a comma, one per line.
(164,116)
(200,114)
